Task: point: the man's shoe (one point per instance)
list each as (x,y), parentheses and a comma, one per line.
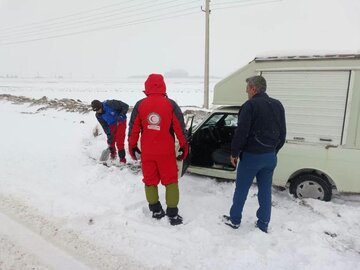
(261,227)
(176,220)
(173,215)
(122,161)
(157,210)
(158,215)
(227,221)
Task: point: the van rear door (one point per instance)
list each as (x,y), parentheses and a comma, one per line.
(315,103)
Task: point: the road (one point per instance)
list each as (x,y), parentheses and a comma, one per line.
(21,248)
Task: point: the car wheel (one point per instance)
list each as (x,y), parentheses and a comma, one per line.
(311,186)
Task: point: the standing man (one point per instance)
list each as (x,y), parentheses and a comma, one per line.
(259,136)
(111,115)
(157,118)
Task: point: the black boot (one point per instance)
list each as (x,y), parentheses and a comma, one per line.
(227,221)
(174,217)
(157,210)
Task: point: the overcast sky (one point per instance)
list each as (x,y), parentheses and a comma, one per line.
(237,34)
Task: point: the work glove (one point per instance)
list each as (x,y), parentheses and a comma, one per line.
(184,150)
(134,151)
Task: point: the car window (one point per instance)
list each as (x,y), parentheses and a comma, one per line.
(222,120)
(214,119)
(231,120)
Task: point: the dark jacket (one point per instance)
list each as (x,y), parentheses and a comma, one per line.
(261,126)
(113,111)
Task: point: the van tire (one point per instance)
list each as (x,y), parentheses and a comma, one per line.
(311,186)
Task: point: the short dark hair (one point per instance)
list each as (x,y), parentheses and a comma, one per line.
(96,105)
(258,82)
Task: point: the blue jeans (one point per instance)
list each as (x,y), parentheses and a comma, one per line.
(262,167)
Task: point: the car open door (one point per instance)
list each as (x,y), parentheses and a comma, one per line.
(184,164)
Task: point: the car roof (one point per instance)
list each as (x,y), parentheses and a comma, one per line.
(231,109)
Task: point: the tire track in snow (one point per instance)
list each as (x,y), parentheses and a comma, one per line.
(32,243)
(13,256)
(68,240)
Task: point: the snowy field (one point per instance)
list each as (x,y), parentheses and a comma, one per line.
(60,209)
(186,92)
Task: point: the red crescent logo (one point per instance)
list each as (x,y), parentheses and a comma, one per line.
(154,118)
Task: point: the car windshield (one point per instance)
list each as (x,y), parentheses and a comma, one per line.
(214,119)
(222,120)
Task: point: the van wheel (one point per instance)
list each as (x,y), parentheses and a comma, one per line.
(311,186)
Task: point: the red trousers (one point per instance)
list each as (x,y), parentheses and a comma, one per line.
(118,133)
(158,168)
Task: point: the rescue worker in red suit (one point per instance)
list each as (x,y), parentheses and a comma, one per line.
(157,118)
(111,115)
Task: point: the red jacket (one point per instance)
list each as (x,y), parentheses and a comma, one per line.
(157,118)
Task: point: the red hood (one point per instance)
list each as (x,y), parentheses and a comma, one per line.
(155,84)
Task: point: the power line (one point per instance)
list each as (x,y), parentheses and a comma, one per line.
(66,25)
(231,2)
(136,22)
(57,33)
(234,4)
(66,16)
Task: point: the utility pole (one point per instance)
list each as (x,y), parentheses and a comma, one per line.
(206,75)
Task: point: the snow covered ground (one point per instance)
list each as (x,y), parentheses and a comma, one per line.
(60,209)
(187,92)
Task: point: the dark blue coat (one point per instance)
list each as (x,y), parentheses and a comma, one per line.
(261,126)
(113,111)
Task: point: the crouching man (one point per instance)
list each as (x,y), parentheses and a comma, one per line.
(111,114)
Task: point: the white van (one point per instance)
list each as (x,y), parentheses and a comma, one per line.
(321,96)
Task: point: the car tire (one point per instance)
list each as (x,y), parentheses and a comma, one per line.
(311,186)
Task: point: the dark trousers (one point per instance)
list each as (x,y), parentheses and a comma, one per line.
(262,167)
